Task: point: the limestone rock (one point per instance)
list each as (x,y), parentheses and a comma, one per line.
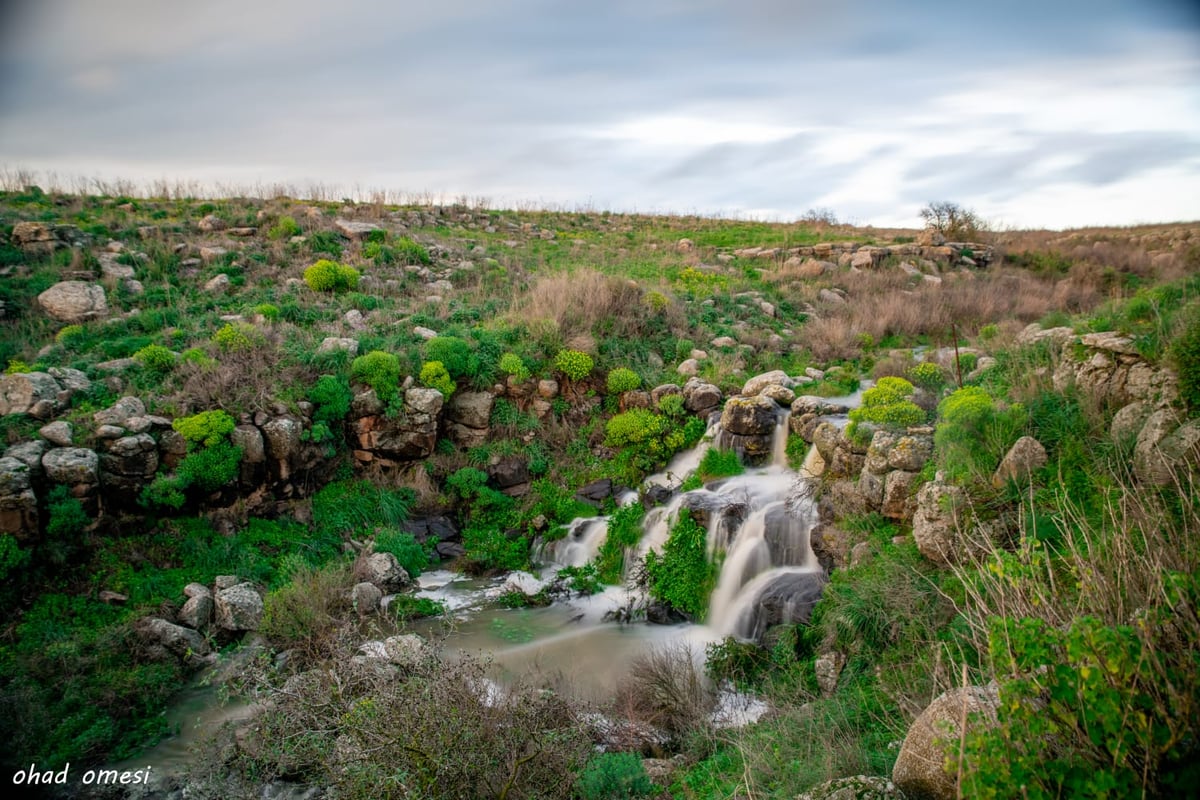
(197,611)
(34,237)
(424,401)
(74,301)
(405,650)
(120,412)
(828,667)
(355,230)
(920,766)
(211,223)
(898,502)
(383,571)
(472,409)
(756,384)
(18,504)
(282,436)
(164,639)
(72,466)
(72,380)
(858,787)
(749,416)
(910,453)
(365,597)
(937,520)
(219,284)
(332,344)
(1026,456)
(881,446)
(33,393)
(250,439)
(239,608)
(870,486)
(1165,448)
(782,395)
(688,368)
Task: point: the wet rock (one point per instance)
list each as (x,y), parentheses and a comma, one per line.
(749,416)
(786,599)
(920,766)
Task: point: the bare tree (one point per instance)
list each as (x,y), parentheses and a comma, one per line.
(953,221)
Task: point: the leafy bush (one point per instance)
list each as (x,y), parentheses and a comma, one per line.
(67,519)
(268,311)
(380,371)
(326,242)
(405,607)
(285,228)
(332,397)
(70,336)
(155,358)
(435,376)
(927,375)
(614,776)
(989,332)
(887,404)
(302,615)
(404,547)
(574,364)
(490,549)
(206,428)
(622,379)
(197,356)
(454,354)
(682,577)
(233,337)
(973,432)
(657,302)
(210,467)
(511,364)
(646,439)
(581,580)
(410,252)
(330,276)
(17,367)
(719,463)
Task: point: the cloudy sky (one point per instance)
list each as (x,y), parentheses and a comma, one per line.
(1034,112)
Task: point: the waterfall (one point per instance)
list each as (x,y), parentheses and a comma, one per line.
(582,542)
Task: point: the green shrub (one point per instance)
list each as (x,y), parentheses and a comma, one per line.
(574,364)
(233,337)
(580,580)
(404,547)
(330,276)
(887,404)
(211,467)
(17,367)
(682,576)
(435,376)
(285,228)
(155,358)
(67,519)
(614,776)
(197,356)
(454,354)
(1185,356)
(332,397)
(405,607)
(165,491)
(927,375)
(989,332)
(326,242)
(12,557)
(657,302)
(623,379)
(268,311)
(380,371)
(70,336)
(410,252)
(719,463)
(511,364)
(490,549)
(302,615)
(206,428)
(973,433)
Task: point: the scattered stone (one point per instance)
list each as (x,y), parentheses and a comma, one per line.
(366,597)
(355,230)
(355,319)
(197,611)
(724,341)
(33,393)
(384,571)
(218,284)
(688,368)
(332,344)
(828,667)
(756,384)
(424,333)
(211,223)
(404,651)
(120,412)
(165,640)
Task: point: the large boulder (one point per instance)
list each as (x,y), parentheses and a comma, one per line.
(755,385)
(467,417)
(34,237)
(120,412)
(382,570)
(165,640)
(749,416)
(72,466)
(701,397)
(18,504)
(1166,449)
(34,393)
(898,502)
(937,522)
(920,770)
(1025,457)
(74,301)
(239,608)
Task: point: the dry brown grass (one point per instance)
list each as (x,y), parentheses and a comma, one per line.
(576,307)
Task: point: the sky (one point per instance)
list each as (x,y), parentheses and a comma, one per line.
(1034,113)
